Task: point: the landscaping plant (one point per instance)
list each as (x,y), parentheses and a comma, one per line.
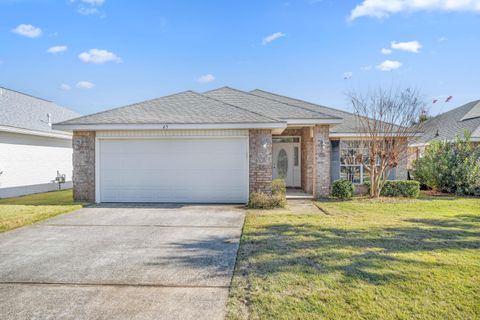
(343,189)
(452,167)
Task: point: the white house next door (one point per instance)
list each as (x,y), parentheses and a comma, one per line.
(286,161)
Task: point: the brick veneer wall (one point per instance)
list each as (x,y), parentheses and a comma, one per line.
(83,143)
(308,161)
(402,167)
(323,150)
(260,161)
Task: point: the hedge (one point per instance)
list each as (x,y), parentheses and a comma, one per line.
(260,200)
(399,188)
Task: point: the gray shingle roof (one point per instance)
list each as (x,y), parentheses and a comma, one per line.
(349,124)
(23,111)
(450,124)
(182,108)
(267,107)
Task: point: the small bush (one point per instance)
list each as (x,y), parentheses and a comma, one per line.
(398,188)
(279,186)
(260,200)
(343,189)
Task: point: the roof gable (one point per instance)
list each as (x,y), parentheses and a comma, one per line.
(473,113)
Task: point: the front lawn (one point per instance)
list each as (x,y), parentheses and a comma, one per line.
(17,212)
(361,259)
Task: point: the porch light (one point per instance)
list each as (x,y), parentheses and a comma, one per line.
(264,142)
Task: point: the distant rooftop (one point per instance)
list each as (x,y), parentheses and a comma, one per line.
(23,111)
(455,122)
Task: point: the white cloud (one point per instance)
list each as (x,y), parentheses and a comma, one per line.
(384,8)
(366,68)
(98,56)
(57,49)
(272,37)
(87,11)
(27,30)
(389,65)
(65,87)
(85,85)
(93,2)
(347,75)
(386,51)
(442,39)
(411,46)
(206,78)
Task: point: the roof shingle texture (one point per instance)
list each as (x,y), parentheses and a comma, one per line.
(267,107)
(182,108)
(349,124)
(450,124)
(26,112)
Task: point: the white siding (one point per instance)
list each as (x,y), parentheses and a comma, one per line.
(32,162)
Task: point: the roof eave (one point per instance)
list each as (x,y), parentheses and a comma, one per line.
(53,134)
(366,135)
(170,126)
(307,122)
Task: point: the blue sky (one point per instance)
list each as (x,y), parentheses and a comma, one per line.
(106,53)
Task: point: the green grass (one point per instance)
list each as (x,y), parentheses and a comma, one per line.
(361,259)
(20,211)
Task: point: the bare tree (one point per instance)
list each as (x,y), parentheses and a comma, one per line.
(385,121)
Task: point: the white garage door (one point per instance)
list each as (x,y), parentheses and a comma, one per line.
(174,170)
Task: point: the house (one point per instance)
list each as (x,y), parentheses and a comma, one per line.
(447,126)
(217,146)
(31,152)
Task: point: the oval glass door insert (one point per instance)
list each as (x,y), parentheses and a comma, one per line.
(282,164)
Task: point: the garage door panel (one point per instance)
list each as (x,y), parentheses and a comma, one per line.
(176,170)
(151,146)
(192,161)
(122,178)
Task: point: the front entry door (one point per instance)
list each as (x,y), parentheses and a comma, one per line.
(286,163)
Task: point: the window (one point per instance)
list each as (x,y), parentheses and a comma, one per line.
(295,156)
(352,153)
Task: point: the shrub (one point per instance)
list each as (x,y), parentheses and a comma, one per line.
(279,186)
(343,189)
(398,188)
(401,188)
(452,167)
(260,200)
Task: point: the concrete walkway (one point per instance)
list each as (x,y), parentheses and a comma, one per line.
(121,262)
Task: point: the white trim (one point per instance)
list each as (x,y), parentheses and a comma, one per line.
(366,135)
(169,126)
(97,171)
(313,121)
(172,133)
(61,135)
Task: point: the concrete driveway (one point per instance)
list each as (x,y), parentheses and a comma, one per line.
(121,262)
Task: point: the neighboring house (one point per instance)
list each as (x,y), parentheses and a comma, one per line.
(213,147)
(447,126)
(31,152)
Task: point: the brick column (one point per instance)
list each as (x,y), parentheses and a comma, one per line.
(308,161)
(260,161)
(84,166)
(323,150)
